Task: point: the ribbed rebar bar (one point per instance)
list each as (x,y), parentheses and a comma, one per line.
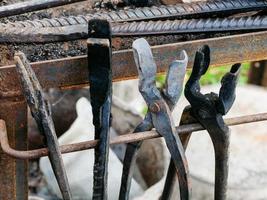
(32,5)
(216,7)
(55,34)
(190,26)
(185,10)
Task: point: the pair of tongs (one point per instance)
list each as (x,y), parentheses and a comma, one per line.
(208,110)
(160,104)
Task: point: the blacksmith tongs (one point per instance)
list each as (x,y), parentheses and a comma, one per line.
(41,112)
(160,104)
(208,109)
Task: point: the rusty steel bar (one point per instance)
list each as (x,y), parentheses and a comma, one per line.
(32,5)
(127,138)
(25,34)
(74,27)
(191,26)
(70,72)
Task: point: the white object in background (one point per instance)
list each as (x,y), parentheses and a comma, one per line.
(247,164)
(79,165)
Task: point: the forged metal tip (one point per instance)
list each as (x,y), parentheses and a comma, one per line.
(19,54)
(236,69)
(175,79)
(20,58)
(206,60)
(227,92)
(182,61)
(27,83)
(99,28)
(183,57)
(140,43)
(201,63)
(147,70)
(143,57)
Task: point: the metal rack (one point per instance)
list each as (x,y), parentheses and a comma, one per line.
(13,109)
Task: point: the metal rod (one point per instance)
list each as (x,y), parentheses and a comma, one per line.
(190,26)
(27,34)
(41,112)
(177,11)
(127,138)
(32,5)
(73,71)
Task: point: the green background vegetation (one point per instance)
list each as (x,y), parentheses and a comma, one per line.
(214,75)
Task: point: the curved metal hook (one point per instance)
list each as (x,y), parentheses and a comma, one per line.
(200,67)
(227,91)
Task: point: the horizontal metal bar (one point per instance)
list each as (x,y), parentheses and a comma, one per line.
(127,138)
(32,5)
(180,10)
(209,25)
(75,27)
(69,72)
(24,34)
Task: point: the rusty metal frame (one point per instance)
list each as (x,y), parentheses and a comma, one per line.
(73,72)
(127,138)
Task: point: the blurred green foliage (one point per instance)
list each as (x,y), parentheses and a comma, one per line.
(213,76)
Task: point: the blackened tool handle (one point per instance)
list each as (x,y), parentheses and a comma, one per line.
(100,80)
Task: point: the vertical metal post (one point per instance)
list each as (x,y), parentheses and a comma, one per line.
(13,172)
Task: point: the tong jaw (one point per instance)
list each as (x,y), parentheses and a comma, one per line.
(173,87)
(208,109)
(221,103)
(227,91)
(147,70)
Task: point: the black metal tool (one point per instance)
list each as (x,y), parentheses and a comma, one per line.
(208,110)
(186,119)
(100,79)
(160,104)
(41,112)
